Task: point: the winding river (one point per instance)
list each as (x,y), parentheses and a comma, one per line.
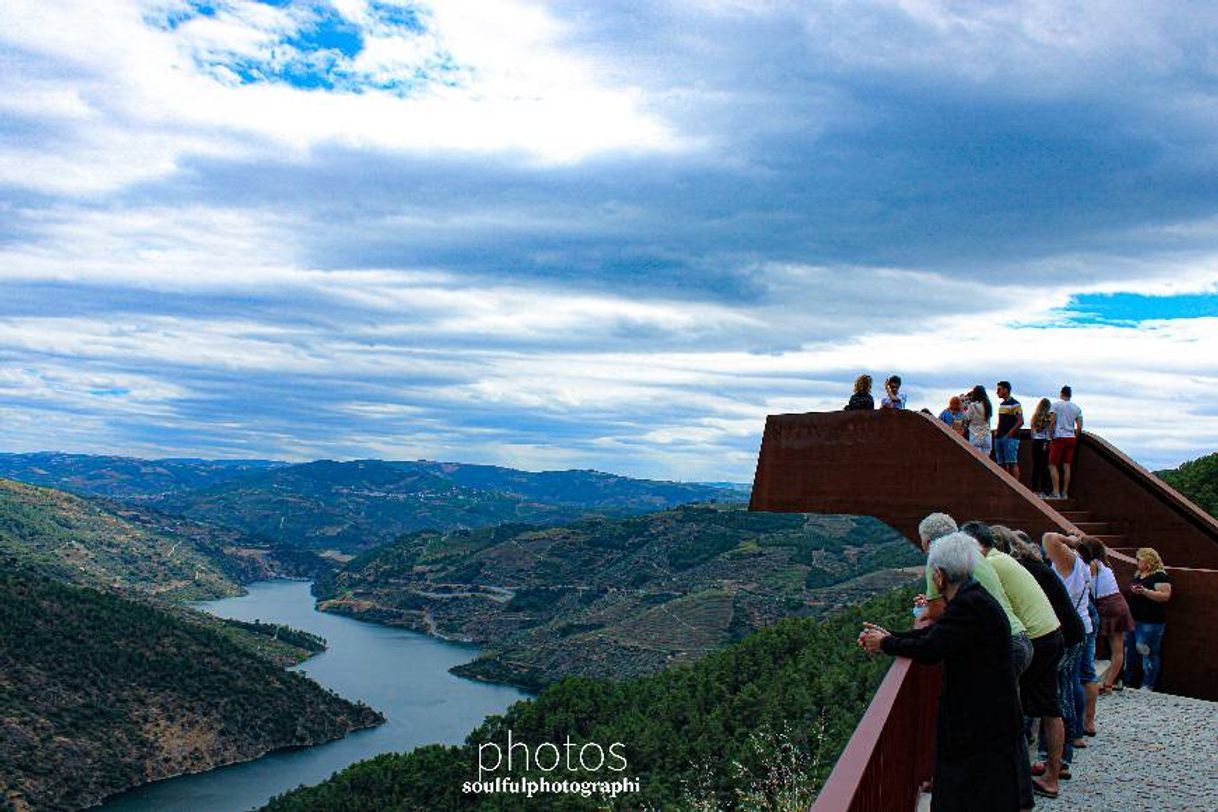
(400,673)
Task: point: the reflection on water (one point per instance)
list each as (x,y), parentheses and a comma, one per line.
(402,674)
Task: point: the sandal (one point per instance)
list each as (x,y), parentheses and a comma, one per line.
(1041,789)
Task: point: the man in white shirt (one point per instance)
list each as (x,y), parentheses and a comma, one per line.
(1065,425)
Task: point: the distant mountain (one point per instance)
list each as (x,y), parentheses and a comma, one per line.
(351,506)
(589,490)
(1197,480)
(102,694)
(618,597)
(85,542)
(124,477)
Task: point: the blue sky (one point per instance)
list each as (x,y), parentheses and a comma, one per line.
(595,234)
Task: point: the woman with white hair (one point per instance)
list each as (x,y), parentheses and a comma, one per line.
(980,727)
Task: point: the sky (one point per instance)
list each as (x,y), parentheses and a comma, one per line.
(597,234)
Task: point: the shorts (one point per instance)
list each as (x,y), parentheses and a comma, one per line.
(1086,664)
(1007,449)
(1061,450)
(1038,685)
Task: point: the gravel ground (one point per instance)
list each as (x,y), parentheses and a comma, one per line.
(1153,752)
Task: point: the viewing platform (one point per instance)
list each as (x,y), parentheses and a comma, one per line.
(1153,751)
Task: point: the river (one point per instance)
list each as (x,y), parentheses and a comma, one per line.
(402,674)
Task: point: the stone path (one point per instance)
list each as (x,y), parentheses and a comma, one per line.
(1153,752)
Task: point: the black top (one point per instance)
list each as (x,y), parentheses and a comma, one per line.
(978,707)
(1143,609)
(1073,630)
(860,400)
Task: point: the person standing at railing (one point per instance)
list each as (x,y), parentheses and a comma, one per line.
(1073,635)
(978,415)
(1150,590)
(1010,421)
(979,731)
(953,415)
(1115,618)
(1038,683)
(1075,575)
(861,400)
(1065,426)
(1039,429)
(893,397)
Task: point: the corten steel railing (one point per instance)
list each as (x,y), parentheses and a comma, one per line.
(898,466)
(891,754)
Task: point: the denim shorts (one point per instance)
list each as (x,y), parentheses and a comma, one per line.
(1006,450)
(1086,663)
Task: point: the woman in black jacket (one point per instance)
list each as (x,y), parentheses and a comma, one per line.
(980,726)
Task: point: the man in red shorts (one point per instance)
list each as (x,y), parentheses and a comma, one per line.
(1065,425)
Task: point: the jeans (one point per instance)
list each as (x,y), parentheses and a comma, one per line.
(1086,673)
(1067,685)
(1143,643)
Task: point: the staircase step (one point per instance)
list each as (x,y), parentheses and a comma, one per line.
(1075,516)
(1111,541)
(1095,528)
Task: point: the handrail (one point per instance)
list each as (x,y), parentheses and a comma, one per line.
(1191,511)
(891,753)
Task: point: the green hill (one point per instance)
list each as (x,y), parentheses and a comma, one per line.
(618,597)
(353,506)
(757,725)
(80,541)
(101,694)
(1198,480)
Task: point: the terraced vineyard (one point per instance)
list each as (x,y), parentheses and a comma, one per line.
(618,597)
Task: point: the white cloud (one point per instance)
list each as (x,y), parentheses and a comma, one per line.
(147,99)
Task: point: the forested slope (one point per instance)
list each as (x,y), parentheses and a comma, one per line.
(618,597)
(80,541)
(99,694)
(1198,480)
(765,717)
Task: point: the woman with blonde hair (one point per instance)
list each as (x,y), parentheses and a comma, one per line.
(861,399)
(1149,591)
(1039,426)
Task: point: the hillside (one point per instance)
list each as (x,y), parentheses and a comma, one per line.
(103,694)
(123,477)
(352,506)
(757,725)
(80,541)
(1198,480)
(618,597)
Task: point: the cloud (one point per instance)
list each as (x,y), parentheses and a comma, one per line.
(577,234)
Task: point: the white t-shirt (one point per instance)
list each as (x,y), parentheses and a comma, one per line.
(1067,413)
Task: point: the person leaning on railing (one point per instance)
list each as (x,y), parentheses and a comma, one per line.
(979,730)
(1073,633)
